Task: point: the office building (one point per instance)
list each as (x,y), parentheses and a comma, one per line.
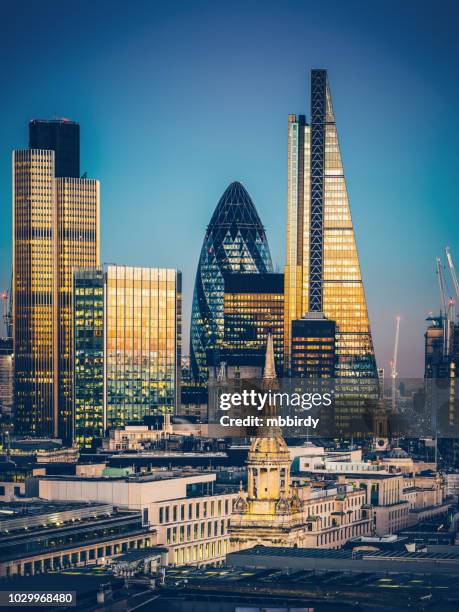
(180,508)
(55,229)
(41,537)
(88,355)
(368,560)
(61,136)
(6,376)
(436,360)
(127,347)
(399,491)
(235,241)
(322,272)
(253,306)
(313,347)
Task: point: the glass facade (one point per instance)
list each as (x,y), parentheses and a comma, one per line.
(143,342)
(6,376)
(139,355)
(235,242)
(88,311)
(33,291)
(253,307)
(55,229)
(322,267)
(61,136)
(436,365)
(313,348)
(78,244)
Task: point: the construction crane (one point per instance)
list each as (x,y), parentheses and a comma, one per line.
(445,307)
(393,365)
(452,271)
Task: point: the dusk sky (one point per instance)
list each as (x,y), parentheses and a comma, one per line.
(178,99)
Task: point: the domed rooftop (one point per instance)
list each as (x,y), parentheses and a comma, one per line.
(235,207)
(269,446)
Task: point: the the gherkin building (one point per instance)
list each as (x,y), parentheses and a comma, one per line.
(235,241)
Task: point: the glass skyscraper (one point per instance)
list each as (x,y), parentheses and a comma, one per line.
(313,347)
(88,360)
(55,229)
(322,273)
(235,241)
(127,335)
(253,308)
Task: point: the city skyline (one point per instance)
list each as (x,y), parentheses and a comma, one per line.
(229,343)
(411,161)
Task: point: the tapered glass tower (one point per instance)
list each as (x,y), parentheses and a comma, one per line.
(235,241)
(322,271)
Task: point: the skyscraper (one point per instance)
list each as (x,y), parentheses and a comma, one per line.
(235,241)
(6,376)
(322,272)
(313,347)
(436,364)
(253,308)
(6,360)
(61,136)
(55,229)
(127,346)
(88,357)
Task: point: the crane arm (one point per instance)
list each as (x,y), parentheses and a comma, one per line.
(452,271)
(394,359)
(441,284)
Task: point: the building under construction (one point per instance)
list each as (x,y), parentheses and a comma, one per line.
(441,364)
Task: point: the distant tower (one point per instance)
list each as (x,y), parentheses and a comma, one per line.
(6,359)
(380,427)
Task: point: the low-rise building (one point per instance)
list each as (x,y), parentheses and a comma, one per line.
(369,562)
(43,536)
(452,485)
(181,507)
(398,493)
(135,437)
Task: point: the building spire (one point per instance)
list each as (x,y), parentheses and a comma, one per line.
(269,372)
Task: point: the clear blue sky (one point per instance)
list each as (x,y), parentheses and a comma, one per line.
(178,99)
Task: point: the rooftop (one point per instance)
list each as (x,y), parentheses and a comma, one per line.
(137,554)
(19,509)
(317,553)
(156,476)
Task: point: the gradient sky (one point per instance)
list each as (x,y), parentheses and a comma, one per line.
(178,99)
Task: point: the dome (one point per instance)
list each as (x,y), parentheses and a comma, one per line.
(235,207)
(272,446)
